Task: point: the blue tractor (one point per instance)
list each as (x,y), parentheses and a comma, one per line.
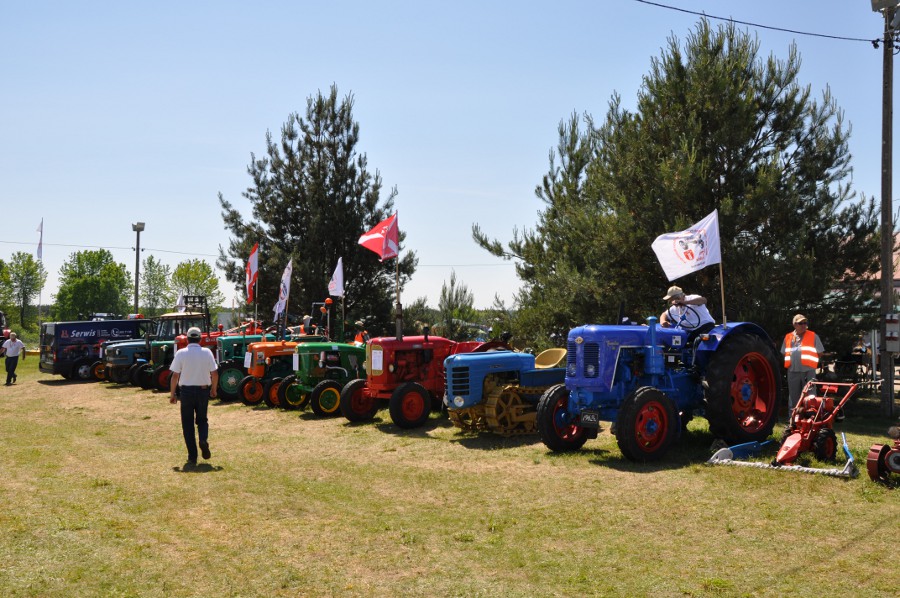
(498,391)
(649,381)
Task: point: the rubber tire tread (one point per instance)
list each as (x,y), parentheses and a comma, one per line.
(546,409)
(719,374)
(347,402)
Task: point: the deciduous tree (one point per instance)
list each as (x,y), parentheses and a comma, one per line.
(155,287)
(26,278)
(92,282)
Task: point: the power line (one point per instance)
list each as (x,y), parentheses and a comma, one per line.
(759,26)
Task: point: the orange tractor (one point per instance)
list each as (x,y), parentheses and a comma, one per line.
(267,364)
(408,373)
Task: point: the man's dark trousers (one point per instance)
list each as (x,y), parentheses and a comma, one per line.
(194,400)
(11,364)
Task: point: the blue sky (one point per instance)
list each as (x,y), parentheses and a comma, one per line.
(113,113)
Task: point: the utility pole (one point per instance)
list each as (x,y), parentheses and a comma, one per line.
(138,227)
(888,8)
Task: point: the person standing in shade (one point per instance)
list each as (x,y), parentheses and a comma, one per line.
(801,349)
(194,370)
(12,348)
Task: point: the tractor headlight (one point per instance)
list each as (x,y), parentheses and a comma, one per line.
(590,371)
(570,370)
(458,401)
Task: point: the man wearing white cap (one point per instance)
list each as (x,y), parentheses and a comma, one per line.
(194,369)
(688,312)
(801,349)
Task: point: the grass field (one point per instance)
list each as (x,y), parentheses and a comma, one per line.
(94,503)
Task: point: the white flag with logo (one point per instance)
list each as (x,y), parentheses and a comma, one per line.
(689,250)
(285,288)
(336,286)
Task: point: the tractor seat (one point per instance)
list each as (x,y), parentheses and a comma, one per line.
(549,358)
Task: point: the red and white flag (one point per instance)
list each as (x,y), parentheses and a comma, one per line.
(252,271)
(689,250)
(384,239)
(336,286)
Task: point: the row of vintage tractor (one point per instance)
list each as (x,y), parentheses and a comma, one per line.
(647,381)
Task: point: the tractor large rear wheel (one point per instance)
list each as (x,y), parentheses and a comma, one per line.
(410,405)
(647,425)
(145,377)
(291,394)
(134,377)
(355,405)
(743,389)
(325,398)
(553,424)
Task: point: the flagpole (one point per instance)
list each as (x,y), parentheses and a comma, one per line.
(399,313)
(722,289)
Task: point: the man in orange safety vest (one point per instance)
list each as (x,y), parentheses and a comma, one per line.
(801,350)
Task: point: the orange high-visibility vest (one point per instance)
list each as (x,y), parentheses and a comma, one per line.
(808,354)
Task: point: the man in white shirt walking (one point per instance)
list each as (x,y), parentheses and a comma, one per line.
(13,348)
(194,369)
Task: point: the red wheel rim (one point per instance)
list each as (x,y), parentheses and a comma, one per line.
(273,394)
(563,430)
(651,426)
(753,392)
(254,391)
(412,406)
(359,402)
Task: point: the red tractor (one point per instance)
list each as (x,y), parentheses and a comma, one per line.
(408,373)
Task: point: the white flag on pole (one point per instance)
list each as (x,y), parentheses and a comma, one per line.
(285,288)
(179,303)
(336,286)
(40,251)
(689,250)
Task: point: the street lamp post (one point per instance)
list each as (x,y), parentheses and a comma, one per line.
(138,227)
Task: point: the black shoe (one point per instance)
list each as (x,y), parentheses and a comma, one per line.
(15,378)
(8,384)
(204,450)
(189,465)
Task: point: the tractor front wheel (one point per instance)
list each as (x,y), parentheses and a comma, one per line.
(98,370)
(270,394)
(554,424)
(133,373)
(325,398)
(162,378)
(743,389)
(410,405)
(251,391)
(145,376)
(355,405)
(230,377)
(647,425)
(291,395)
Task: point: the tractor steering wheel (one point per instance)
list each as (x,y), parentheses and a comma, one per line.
(688,320)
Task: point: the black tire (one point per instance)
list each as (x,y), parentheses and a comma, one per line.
(825,445)
(270,393)
(556,434)
(117,374)
(325,398)
(743,391)
(291,395)
(354,405)
(145,376)
(410,405)
(82,369)
(133,375)
(647,426)
(230,376)
(251,391)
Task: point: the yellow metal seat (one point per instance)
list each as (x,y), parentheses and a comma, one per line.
(549,358)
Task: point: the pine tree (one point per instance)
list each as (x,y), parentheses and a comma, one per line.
(312,197)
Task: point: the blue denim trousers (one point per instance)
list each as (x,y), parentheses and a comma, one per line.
(194,403)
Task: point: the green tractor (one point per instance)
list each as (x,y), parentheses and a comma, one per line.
(321,371)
